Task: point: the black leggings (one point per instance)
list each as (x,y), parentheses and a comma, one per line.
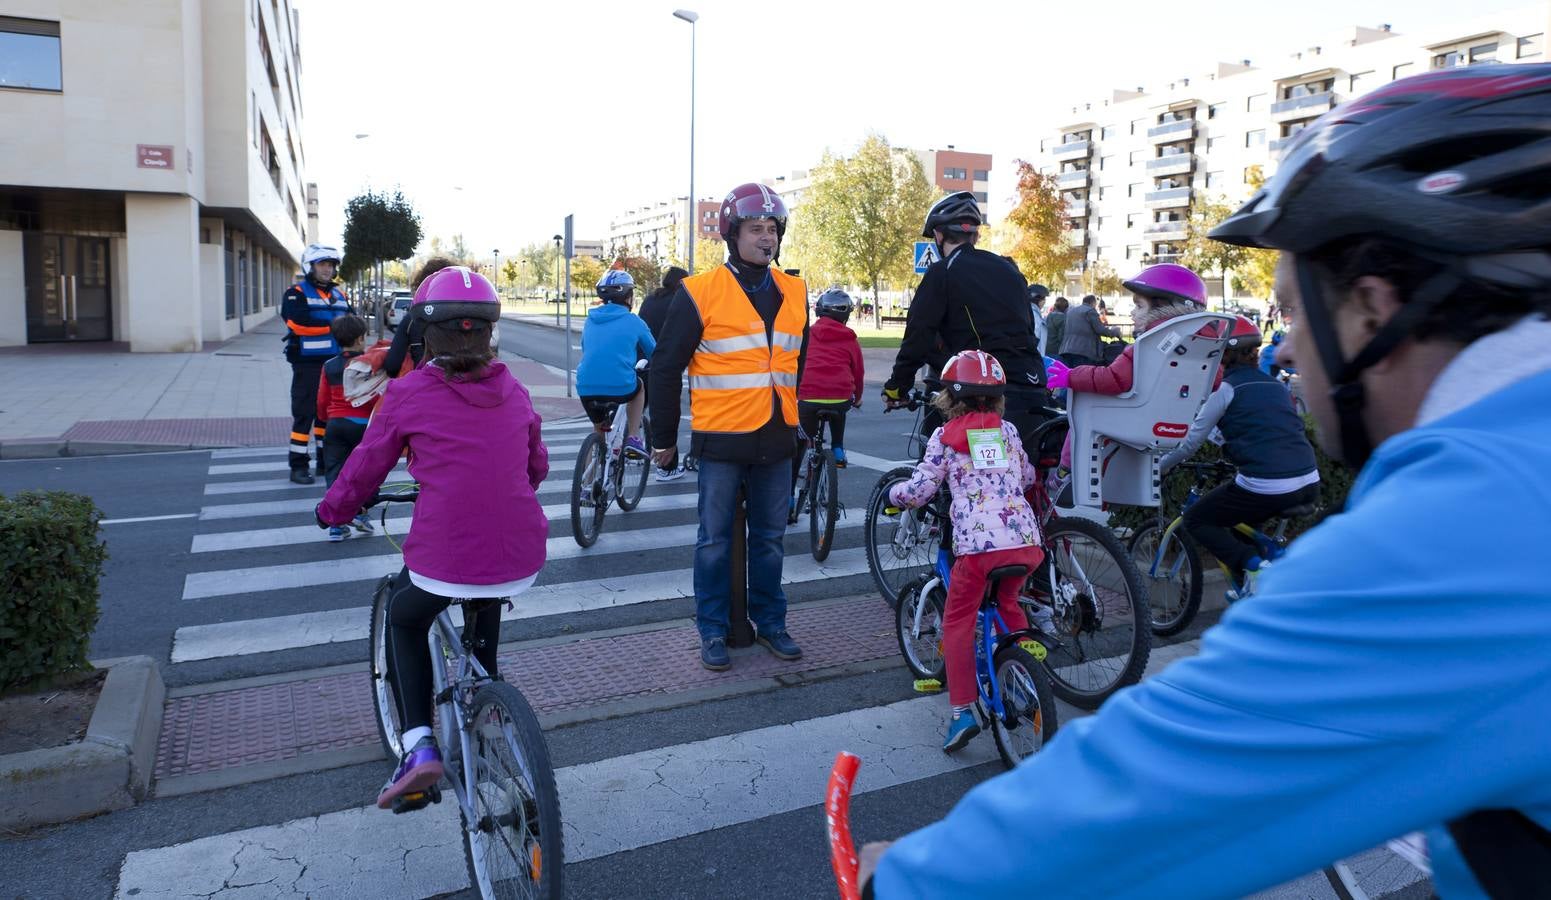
(808,418)
(340,438)
(411,611)
(1210,520)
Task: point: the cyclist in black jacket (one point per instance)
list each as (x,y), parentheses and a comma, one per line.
(970,299)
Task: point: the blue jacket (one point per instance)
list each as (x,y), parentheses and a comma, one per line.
(1392,673)
(612,340)
(1262,434)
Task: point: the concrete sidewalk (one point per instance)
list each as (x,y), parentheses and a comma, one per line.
(89,399)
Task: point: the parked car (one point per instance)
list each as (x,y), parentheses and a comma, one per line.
(397,307)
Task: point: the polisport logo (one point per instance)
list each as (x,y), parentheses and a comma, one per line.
(1170,429)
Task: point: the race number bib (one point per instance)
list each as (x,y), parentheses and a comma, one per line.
(987,448)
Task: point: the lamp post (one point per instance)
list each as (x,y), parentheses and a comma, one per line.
(558,239)
(694,209)
(497,278)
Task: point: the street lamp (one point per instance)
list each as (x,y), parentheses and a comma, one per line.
(558,240)
(694,208)
(497,271)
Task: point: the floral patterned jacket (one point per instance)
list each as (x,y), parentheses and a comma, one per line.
(989,511)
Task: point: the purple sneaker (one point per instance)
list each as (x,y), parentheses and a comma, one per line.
(421,768)
(634,447)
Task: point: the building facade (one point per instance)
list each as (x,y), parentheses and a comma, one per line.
(151,169)
(1132,167)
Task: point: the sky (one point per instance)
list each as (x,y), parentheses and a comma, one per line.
(498,118)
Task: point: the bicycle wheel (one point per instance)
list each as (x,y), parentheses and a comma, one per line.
(514,847)
(387,710)
(587,494)
(1172,574)
(825,508)
(633,471)
(1097,610)
(901,546)
(1028,702)
(922,649)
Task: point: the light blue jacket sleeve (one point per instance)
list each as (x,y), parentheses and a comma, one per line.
(1391,674)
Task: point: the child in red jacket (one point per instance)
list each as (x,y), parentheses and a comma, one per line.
(832,370)
(343,421)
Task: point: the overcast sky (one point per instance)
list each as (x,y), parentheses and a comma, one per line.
(497,118)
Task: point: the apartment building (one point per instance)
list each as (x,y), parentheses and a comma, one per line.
(949,170)
(1131,167)
(151,169)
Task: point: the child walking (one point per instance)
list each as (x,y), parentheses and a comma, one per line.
(344,423)
(982,459)
(478,531)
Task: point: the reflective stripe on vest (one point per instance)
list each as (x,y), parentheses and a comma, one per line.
(736,369)
(321,306)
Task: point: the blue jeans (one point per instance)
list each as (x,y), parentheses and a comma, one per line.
(769,491)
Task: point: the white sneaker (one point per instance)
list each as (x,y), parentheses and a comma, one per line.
(668,475)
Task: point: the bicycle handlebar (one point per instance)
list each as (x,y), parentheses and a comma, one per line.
(404,496)
(837,816)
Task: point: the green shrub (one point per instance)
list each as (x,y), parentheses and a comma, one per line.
(1335,479)
(50,560)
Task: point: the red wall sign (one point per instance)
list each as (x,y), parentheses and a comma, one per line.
(153,156)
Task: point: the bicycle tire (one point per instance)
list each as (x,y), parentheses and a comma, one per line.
(384,706)
(503,802)
(1035,718)
(896,564)
(923,651)
(1092,662)
(587,485)
(825,508)
(1172,600)
(633,474)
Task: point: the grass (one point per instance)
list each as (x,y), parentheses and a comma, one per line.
(879,341)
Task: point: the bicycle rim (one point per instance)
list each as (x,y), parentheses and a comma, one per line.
(1172,574)
(514,847)
(825,506)
(633,473)
(383,702)
(1098,612)
(899,547)
(922,649)
(1027,701)
(587,493)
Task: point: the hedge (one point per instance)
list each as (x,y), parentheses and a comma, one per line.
(1335,479)
(50,562)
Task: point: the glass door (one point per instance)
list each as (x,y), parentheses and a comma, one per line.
(69,288)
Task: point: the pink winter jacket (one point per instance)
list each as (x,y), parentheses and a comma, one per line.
(988,510)
(475,448)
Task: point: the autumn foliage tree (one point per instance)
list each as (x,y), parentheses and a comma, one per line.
(1036,234)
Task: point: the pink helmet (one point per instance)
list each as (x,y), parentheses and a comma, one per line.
(1170,283)
(456,292)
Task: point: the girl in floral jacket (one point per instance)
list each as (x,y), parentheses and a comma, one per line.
(982,460)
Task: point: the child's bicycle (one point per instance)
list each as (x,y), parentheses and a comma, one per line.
(818,491)
(1168,557)
(607,472)
(900,547)
(497,759)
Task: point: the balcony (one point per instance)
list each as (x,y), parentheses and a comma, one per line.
(1277,146)
(1302,107)
(1077,237)
(1174,164)
(1170,198)
(1166,231)
(1076,209)
(1072,150)
(1184,129)
(1068,181)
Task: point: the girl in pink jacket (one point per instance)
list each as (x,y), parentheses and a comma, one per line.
(982,459)
(478,530)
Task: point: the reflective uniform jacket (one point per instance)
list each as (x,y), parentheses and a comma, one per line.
(307,312)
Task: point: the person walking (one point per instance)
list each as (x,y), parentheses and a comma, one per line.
(654,308)
(1055,326)
(308,307)
(1080,339)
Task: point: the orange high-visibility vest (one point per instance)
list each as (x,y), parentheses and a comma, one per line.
(735,368)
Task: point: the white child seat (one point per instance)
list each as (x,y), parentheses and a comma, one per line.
(1118,441)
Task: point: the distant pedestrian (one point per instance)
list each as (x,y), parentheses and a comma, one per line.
(344,422)
(307,309)
(1055,326)
(654,309)
(1037,294)
(1080,340)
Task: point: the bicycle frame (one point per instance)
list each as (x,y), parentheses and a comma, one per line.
(1271,546)
(810,462)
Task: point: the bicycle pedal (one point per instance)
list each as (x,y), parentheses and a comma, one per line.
(1034,649)
(927,686)
(412,802)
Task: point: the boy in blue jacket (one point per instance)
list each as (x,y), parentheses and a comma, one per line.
(1393,673)
(613,341)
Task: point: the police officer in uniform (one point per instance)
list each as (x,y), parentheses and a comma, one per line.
(307,308)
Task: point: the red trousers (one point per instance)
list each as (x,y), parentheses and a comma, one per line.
(966,585)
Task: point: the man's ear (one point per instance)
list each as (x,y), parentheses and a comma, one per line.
(1371,302)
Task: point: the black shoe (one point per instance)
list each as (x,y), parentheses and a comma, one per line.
(302,476)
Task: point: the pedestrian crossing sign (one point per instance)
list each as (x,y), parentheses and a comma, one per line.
(926,254)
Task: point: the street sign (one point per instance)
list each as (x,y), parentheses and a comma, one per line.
(153,156)
(926,254)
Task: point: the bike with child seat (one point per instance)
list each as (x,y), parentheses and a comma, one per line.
(1170,561)
(498,762)
(818,489)
(1086,595)
(607,471)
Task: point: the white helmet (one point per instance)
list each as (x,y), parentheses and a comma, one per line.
(318,253)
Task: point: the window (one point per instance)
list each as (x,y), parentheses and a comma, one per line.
(1291,128)
(1483,53)
(1102,192)
(1133,189)
(982,174)
(952,174)
(30,50)
(1131,220)
(1532,45)
(1108,131)
(1256,138)
(1215,110)
(268,158)
(981,197)
(1105,161)
(1401,71)
(1138,125)
(1248,171)
(1256,103)
(1099,222)
(1136,155)
(1042,145)
(1308,89)
(1212,143)
(1098,252)
(1133,251)
(1214,179)
(1360,82)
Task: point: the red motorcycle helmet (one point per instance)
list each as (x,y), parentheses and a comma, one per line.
(751,201)
(974,373)
(1243,335)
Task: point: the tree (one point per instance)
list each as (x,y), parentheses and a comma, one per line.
(646,272)
(1037,239)
(1257,273)
(378,227)
(396,272)
(459,250)
(1203,254)
(585,275)
(510,271)
(1101,279)
(712,256)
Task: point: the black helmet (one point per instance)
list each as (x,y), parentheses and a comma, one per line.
(956,212)
(835,304)
(1452,165)
(616,286)
(1038,292)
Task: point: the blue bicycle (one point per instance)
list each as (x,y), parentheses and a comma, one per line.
(1015,697)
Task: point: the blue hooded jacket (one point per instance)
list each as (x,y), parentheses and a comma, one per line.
(612,340)
(1392,673)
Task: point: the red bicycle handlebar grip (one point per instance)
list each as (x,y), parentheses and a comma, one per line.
(837,815)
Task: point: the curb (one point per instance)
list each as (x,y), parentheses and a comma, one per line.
(520,319)
(110,769)
(17,450)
